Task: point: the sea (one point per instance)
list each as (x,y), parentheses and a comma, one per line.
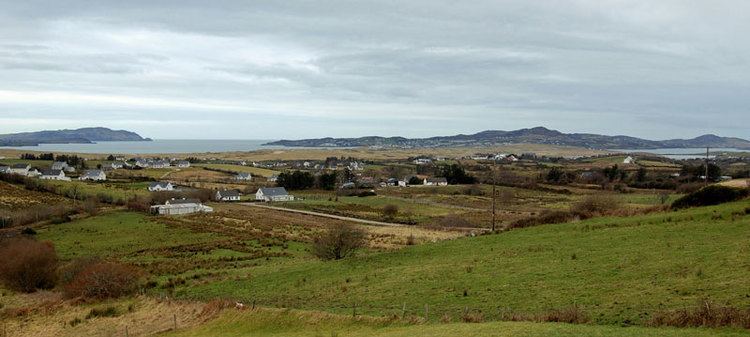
(684,153)
(155,146)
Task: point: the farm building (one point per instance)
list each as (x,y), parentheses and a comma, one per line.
(273,194)
(22,169)
(54,175)
(228,195)
(438,181)
(94,175)
(181,206)
(160,186)
(243,176)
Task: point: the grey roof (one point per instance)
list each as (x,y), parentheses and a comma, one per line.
(437,180)
(273,191)
(182,162)
(229,193)
(20,165)
(183,201)
(243,174)
(46,172)
(92,173)
(158,183)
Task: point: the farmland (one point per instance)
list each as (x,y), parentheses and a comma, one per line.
(431,267)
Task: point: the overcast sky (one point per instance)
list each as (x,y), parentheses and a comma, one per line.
(298,69)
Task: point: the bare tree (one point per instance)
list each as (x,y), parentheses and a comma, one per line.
(339,241)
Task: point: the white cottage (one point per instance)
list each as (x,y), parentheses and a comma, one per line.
(160,186)
(53,175)
(181,206)
(228,195)
(273,194)
(93,175)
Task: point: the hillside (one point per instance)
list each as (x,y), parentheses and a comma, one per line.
(83,136)
(537,135)
(619,271)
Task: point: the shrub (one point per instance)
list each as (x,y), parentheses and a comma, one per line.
(594,205)
(104,280)
(109,311)
(453,220)
(390,211)
(572,314)
(705,314)
(27,265)
(546,217)
(710,195)
(339,241)
(67,272)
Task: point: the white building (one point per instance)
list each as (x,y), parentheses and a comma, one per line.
(438,181)
(273,194)
(54,175)
(628,160)
(22,169)
(182,164)
(63,166)
(181,206)
(228,195)
(243,176)
(160,186)
(93,175)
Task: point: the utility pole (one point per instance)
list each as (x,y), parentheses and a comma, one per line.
(494,195)
(705,177)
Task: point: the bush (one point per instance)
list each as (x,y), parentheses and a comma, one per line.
(594,205)
(705,314)
(104,280)
(546,217)
(453,220)
(710,195)
(27,265)
(390,211)
(68,271)
(339,241)
(109,311)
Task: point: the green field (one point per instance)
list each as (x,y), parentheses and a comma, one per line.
(618,270)
(267,323)
(256,171)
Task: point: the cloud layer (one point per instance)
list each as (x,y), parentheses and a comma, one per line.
(296,69)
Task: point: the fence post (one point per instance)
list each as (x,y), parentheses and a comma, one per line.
(403,311)
(354,310)
(253,304)
(174,319)
(127,334)
(426,312)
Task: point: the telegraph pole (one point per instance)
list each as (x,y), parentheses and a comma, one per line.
(705,177)
(494,195)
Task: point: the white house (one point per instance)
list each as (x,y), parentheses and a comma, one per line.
(243,176)
(63,166)
(422,161)
(182,164)
(160,186)
(273,194)
(181,206)
(94,175)
(33,173)
(54,175)
(273,178)
(22,169)
(438,181)
(159,164)
(4,169)
(142,163)
(228,195)
(628,160)
(116,165)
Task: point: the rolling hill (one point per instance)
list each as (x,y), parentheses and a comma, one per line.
(537,135)
(81,136)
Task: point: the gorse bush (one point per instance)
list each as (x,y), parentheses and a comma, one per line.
(595,205)
(710,195)
(104,280)
(27,265)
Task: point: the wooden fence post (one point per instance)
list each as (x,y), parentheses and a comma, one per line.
(354,310)
(127,334)
(174,320)
(403,311)
(426,312)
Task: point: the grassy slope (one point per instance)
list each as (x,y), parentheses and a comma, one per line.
(116,234)
(301,324)
(257,171)
(619,270)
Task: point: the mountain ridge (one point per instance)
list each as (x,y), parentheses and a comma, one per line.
(69,136)
(536,135)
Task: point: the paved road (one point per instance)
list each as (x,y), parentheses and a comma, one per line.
(345,218)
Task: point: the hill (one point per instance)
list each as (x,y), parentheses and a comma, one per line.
(618,271)
(81,136)
(537,135)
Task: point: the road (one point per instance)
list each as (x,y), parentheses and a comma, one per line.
(345,218)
